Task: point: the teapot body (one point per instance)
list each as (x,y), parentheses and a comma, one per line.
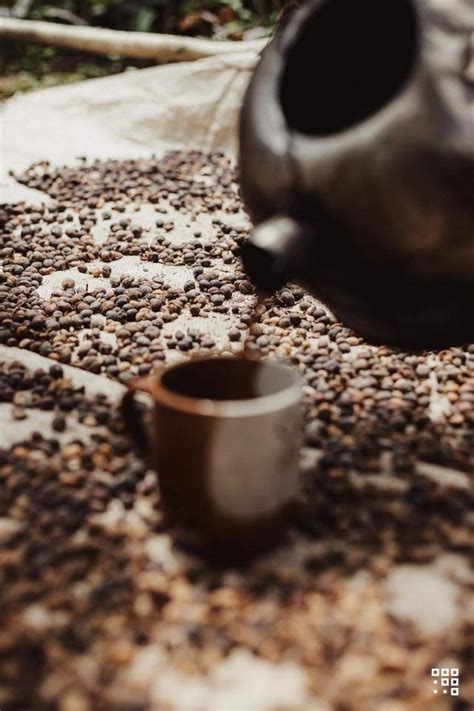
(357,165)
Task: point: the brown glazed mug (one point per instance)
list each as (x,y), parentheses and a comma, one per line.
(224,436)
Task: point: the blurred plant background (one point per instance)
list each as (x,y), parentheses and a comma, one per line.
(26,67)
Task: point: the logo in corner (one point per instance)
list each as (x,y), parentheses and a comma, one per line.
(445,681)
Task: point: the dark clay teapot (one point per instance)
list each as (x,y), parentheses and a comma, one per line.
(357,165)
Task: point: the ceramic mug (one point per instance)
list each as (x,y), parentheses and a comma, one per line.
(224,436)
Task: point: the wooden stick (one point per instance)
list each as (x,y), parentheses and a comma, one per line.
(136,45)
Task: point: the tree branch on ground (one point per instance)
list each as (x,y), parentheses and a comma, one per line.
(136,45)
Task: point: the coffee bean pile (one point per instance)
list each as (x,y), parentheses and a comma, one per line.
(96,605)
(41,241)
(93,599)
(190,180)
(361,401)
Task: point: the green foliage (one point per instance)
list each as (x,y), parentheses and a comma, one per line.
(160,15)
(38,67)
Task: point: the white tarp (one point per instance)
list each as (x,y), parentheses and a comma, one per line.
(191,105)
(186,106)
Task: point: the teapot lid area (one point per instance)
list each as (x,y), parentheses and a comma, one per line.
(353,57)
(344,62)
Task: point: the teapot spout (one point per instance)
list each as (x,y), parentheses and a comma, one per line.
(276,252)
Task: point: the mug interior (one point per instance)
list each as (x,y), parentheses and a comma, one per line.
(227,379)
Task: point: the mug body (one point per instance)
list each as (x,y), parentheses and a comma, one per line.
(227,434)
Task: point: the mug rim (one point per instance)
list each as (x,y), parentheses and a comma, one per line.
(249,407)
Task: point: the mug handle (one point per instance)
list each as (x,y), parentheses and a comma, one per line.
(133,411)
